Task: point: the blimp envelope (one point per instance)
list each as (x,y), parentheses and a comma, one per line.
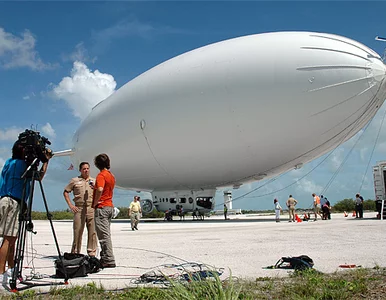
(235,111)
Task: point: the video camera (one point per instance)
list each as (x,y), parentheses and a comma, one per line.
(34,146)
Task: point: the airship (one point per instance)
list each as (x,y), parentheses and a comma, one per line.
(233,112)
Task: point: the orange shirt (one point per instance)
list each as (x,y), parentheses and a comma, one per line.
(106,180)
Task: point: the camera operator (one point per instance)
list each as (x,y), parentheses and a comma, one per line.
(11,192)
(82,188)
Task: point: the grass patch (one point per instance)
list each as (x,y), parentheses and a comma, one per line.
(309,284)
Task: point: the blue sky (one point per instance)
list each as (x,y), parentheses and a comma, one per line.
(58,59)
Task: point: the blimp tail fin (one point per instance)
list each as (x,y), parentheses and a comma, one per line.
(67,152)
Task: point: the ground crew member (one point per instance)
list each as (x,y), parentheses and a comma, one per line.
(135,212)
(291,203)
(316,206)
(225,211)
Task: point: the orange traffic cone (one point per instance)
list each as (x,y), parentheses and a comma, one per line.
(354,214)
(297,218)
(345,214)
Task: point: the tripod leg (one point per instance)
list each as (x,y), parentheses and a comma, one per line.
(49,217)
(19,255)
(20,246)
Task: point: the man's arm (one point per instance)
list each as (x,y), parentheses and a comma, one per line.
(43,169)
(97,196)
(73,208)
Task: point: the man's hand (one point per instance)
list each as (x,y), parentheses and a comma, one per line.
(73,208)
(49,153)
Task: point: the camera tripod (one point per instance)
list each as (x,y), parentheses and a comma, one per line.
(30,176)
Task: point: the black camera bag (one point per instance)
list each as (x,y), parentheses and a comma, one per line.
(301,262)
(74,265)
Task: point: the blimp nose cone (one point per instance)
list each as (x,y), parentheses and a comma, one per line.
(377,70)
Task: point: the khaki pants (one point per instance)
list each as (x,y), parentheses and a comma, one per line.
(291,211)
(85,215)
(102,225)
(135,216)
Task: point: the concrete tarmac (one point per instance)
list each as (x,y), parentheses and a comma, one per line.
(243,246)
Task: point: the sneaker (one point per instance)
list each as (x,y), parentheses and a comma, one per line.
(132,228)
(135,227)
(7,276)
(5,280)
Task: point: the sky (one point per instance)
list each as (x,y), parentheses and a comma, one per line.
(59,59)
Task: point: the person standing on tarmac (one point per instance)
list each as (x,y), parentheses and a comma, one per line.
(82,188)
(11,197)
(359,206)
(104,208)
(278,209)
(291,203)
(225,211)
(135,212)
(316,206)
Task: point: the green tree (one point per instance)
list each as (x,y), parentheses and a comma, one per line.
(369,204)
(349,205)
(344,205)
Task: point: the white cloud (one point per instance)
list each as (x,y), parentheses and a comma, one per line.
(84,89)
(10,134)
(336,159)
(80,53)
(29,96)
(18,52)
(308,186)
(48,130)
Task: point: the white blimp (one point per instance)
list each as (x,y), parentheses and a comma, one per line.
(232,112)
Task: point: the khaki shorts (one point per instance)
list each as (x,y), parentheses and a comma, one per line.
(9,217)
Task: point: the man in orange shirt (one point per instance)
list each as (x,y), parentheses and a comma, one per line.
(104,209)
(316,206)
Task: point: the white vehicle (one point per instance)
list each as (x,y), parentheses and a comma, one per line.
(232,112)
(379,173)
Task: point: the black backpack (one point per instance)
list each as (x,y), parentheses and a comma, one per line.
(301,262)
(76,265)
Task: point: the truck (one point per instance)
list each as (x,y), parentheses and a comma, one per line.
(379,174)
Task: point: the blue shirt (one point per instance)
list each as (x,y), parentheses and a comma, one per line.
(11,183)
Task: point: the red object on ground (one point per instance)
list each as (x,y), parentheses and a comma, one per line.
(297,218)
(347,266)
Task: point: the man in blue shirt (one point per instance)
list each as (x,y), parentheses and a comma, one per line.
(11,192)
